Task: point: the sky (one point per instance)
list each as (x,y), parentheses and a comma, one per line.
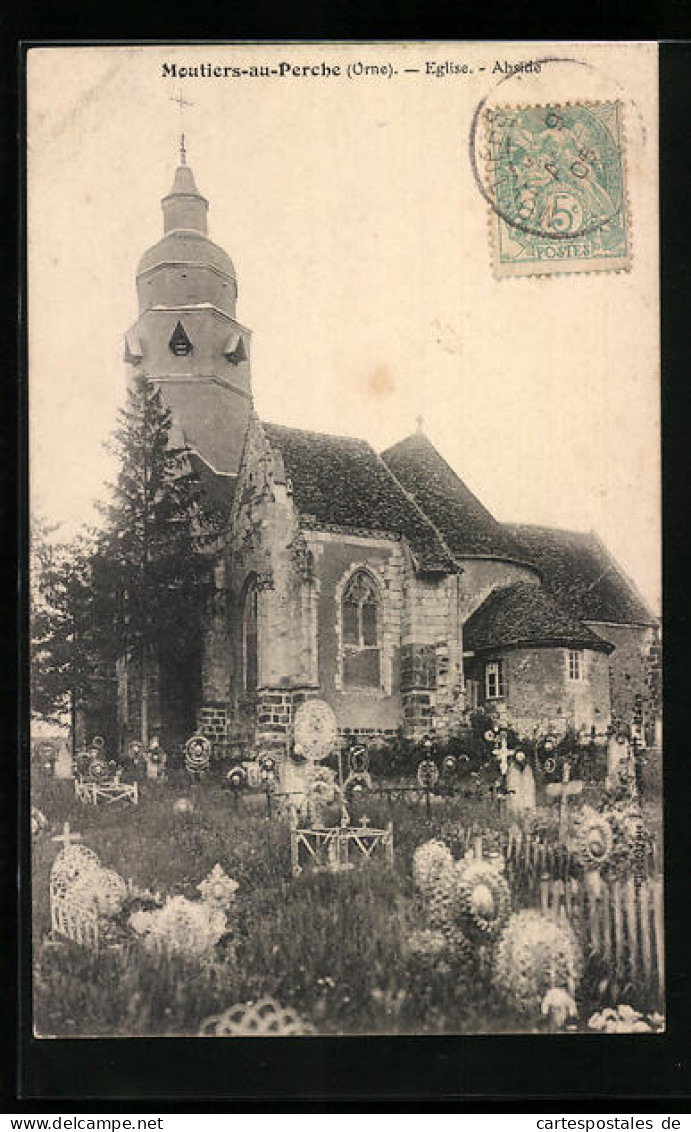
(362,248)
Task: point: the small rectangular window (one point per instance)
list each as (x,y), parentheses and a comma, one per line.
(575,664)
(494,680)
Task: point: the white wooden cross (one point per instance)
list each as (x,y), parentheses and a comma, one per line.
(561,792)
(66,836)
(502,752)
(364,822)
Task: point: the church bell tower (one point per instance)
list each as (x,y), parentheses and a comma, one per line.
(187,338)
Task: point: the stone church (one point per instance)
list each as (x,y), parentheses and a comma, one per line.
(375,581)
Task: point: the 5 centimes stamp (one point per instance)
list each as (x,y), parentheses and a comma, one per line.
(556,180)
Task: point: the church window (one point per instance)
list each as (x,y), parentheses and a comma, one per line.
(180,344)
(249,638)
(575,664)
(360,616)
(494,680)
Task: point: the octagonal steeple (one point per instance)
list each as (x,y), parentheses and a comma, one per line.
(184,207)
(186,267)
(187,338)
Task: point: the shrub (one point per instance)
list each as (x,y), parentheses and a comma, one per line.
(430,860)
(631,840)
(472,896)
(534,954)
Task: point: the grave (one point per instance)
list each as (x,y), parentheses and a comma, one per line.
(561,792)
(97,779)
(197,756)
(70,917)
(620,762)
(93,791)
(336,847)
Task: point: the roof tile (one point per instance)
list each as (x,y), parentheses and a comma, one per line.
(341,481)
(524,615)
(580,572)
(466,525)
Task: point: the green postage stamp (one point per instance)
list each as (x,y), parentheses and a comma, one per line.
(557,189)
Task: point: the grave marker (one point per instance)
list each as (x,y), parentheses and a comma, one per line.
(67,836)
(561,792)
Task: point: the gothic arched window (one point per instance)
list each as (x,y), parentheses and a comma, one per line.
(249,638)
(360,632)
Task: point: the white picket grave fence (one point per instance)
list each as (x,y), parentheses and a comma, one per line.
(78,922)
(621,920)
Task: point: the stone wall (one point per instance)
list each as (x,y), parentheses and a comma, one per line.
(336,557)
(652,714)
(275,712)
(483,575)
(539,693)
(420,655)
(267,550)
(635,675)
(431,654)
(212,721)
(216,644)
(301,571)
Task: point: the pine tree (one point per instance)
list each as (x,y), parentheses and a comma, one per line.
(157,537)
(64,626)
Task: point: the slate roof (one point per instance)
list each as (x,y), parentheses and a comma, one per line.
(186,246)
(524,615)
(580,572)
(466,525)
(341,482)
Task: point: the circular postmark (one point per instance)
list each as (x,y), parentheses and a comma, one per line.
(552,167)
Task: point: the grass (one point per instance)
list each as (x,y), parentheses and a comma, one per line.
(330,946)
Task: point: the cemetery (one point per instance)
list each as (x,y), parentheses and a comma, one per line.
(320,744)
(476,884)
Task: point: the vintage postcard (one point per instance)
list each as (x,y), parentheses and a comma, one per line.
(345,539)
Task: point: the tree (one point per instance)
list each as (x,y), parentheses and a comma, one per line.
(157,537)
(64,625)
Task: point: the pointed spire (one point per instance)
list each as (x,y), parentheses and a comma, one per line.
(184,207)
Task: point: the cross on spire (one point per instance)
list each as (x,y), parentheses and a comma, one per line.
(182,104)
(420,422)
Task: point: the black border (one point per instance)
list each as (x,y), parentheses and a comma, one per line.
(455,1074)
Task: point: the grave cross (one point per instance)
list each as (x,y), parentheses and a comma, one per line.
(66,836)
(364,822)
(561,792)
(502,752)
